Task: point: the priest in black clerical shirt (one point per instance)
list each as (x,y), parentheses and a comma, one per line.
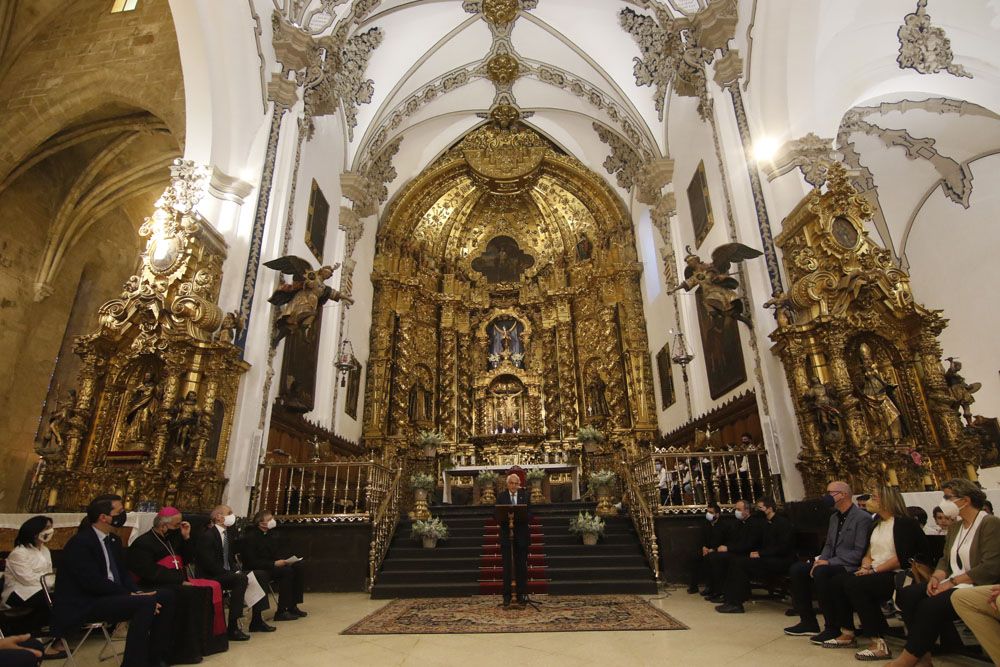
(515,495)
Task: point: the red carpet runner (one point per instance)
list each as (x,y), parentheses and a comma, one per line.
(491,562)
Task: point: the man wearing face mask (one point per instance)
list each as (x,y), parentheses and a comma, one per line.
(713,533)
(93,585)
(776,553)
(745,536)
(846,544)
(217,560)
(263,552)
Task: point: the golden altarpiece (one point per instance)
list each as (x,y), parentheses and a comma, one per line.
(152,410)
(507,312)
(862,358)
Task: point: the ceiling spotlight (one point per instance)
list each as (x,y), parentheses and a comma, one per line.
(765,149)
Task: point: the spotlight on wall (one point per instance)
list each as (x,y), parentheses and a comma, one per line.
(765,148)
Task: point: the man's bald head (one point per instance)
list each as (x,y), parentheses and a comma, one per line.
(841,492)
(219,513)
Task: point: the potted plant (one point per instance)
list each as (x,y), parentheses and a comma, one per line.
(422,484)
(535,477)
(601,483)
(486,480)
(590,438)
(429,441)
(430,531)
(587,525)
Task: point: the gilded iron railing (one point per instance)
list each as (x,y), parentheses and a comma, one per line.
(384,520)
(638,483)
(694,479)
(340,491)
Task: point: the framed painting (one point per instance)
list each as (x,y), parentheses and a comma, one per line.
(663,369)
(298,369)
(701,205)
(319,216)
(720,343)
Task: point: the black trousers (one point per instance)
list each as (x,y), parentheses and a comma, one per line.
(926,618)
(38,618)
(864,595)
(520,567)
(742,569)
(236,584)
(701,570)
(290,581)
(15,657)
(664,496)
(718,567)
(821,582)
(148,636)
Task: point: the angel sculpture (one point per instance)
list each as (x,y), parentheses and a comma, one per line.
(232,326)
(961,391)
(302,298)
(718,288)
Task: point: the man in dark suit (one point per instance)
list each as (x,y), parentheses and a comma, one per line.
(216,559)
(745,535)
(714,532)
(515,495)
(94,586)
(775,556)
(262,551)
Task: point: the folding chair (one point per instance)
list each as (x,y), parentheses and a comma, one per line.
(48,585)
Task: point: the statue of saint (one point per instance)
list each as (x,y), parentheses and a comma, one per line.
(55,431)
(420,404)
(584,248)
(960,390)
(881,412)
(717,286)
(184,423)
(505,342)
(597,402)
(825,407)
(140,414)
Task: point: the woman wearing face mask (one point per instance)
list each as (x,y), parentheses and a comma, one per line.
(971,558)
(26,564)
(895,541)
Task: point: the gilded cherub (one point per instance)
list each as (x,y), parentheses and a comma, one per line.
(302,298)
(718,288)
(961,391)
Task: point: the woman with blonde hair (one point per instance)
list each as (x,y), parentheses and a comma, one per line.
(895,541)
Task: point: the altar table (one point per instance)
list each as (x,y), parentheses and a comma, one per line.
(500,470)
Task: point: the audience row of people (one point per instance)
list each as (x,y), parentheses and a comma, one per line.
(168,584)
(871,556)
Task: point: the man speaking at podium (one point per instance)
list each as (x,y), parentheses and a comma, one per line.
(515,495)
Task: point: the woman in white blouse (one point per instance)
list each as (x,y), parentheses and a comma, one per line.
(30,559)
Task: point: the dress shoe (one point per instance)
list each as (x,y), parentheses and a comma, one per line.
(261,626)
(238,635)
(285,616)
(692,590)
(506,603)
(730,609)
(522,602)
(717,599)
(298,612)
(708,593)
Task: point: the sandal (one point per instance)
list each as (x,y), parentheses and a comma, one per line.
(840,642)
(881,652)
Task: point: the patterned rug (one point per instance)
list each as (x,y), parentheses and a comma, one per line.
(480,614)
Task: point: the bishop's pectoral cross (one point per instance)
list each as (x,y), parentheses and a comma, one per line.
(176,562)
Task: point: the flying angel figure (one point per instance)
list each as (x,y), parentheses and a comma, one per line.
(301,299)
(718,288)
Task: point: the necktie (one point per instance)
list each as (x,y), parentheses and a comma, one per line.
(225,551)
(111,563)
(513,498)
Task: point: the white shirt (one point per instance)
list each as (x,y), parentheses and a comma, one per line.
(882,548)
(661,478)
(513,497)
(962,548)
(25,567)
(107,556)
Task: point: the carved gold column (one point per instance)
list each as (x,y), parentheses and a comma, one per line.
(466,360)
(566,361)
(550,378)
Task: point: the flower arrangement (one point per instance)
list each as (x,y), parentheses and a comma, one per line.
(434,527)
(486,478)
(422,481)
(534,474)
(589,434)
(430,439)
(601,479)
(586,523)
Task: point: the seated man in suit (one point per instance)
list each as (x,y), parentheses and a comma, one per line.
(515,495)
(262,551)
(775,556)
(216,558)
(714,532)
(94,586)
(745,535)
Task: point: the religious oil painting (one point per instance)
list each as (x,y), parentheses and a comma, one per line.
(720,341)
(298,369)
(319,215)
(701,205)
(503,261)
(663,369)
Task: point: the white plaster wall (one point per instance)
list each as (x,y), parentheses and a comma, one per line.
(953,267)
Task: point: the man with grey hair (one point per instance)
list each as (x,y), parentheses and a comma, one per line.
(515,495)
(846,543)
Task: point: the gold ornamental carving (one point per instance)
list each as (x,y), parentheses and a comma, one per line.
(861,355)
(502,69)
(500,12)
(157,388)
